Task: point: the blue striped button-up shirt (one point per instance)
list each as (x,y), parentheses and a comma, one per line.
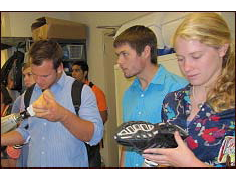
(51,144)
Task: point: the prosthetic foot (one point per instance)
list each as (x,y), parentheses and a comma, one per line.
(141,135)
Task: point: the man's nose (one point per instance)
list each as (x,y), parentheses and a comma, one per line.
(38,79)
(120,60)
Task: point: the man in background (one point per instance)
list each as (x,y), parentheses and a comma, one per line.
(10,84)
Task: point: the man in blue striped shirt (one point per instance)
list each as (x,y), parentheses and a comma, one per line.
(56,135)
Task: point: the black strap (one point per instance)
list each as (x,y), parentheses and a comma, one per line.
(91,84)
(27,97)
(76,94)
(94,157)
(28,94)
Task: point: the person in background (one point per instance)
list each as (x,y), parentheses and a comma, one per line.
(206,107)
(19,153)
(6,101)
(28,81)
(80,71)
(136,49)
(56,136)
(10,84)
(6,106)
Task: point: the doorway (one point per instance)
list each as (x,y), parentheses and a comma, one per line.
(110,152)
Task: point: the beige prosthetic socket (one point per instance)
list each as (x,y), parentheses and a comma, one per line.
(40,101)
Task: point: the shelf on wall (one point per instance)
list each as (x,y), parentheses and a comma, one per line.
(14,41)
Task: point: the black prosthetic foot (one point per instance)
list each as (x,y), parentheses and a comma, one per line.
(141,135)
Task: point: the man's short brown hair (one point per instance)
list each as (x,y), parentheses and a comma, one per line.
(46,50)
(138,37)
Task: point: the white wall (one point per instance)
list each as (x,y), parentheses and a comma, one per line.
(4,56)
(230,19)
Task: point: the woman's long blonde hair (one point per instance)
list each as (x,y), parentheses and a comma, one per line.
(212,30)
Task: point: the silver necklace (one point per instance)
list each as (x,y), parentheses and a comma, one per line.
(199,105)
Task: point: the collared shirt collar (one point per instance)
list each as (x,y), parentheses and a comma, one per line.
(58,85)
(159,77)
(184,92)
(86,82)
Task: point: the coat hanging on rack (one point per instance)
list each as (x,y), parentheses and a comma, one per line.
(13,65)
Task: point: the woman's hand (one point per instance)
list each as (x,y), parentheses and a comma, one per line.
(181,156)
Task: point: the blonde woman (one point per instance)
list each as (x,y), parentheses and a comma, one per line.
(205,107)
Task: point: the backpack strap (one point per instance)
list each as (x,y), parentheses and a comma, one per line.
(27,97)
(91,84)
(28,94)
(76,90)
